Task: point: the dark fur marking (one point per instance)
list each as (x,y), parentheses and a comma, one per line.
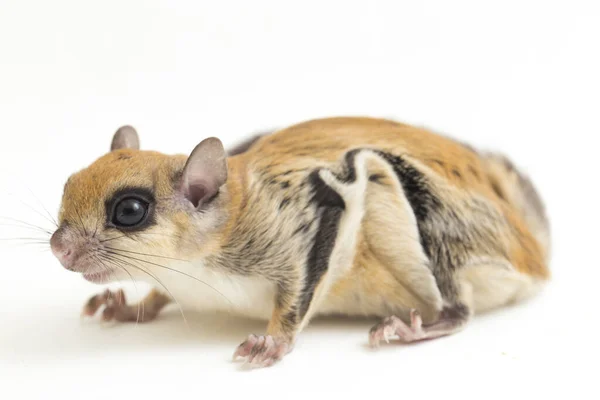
(416,187)
(349,174)
(290,320)
(304,228)
(124,157)
(474,172)
(496,188)
(284,203)
(322,194)
(291,171)
(249,244)
(376,178)
(330,206)
(246,144)
(284,184)
(444,238)
(455,312)
(457,173)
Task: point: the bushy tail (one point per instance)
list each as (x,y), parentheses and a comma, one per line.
(517,189)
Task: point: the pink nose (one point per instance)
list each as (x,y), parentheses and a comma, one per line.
(61,250)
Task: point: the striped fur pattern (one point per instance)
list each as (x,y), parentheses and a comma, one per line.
(351,216)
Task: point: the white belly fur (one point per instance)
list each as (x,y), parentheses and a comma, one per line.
(249,296)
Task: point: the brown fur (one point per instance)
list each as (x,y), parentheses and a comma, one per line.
(325,140)
(489,223)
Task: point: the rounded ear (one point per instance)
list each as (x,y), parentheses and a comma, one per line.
(125,138)
(205,172)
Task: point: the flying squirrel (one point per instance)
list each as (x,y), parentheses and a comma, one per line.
(347,216)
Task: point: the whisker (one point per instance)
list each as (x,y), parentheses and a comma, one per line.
(174,270)
(140,234)
(96,230)
(41,240)
(146,254)
(132,278)
(43,245)
(26,224)
(139,268)
(106,268)
(28,227)
(36,211)
(108,240)
(173,235)
(81,221)
(110,271)
(45,209)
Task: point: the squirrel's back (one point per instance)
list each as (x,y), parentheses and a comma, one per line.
(493,176)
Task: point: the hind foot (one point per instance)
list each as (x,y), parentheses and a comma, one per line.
(451,320)
(393,326)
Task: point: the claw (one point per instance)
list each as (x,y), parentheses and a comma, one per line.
(415,320)
(245,348)
(256,350)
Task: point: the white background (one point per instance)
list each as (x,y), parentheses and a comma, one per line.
(517,76)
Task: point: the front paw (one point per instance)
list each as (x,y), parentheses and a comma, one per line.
(262,351)
(115,308)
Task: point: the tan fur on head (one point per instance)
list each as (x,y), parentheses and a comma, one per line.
(87,234)
(87,190)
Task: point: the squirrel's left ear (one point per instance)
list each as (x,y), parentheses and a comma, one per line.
(125,138)
(205,172)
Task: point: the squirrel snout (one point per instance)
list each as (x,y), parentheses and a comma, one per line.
(61,249)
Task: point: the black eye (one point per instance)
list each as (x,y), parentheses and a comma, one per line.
(130,212)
